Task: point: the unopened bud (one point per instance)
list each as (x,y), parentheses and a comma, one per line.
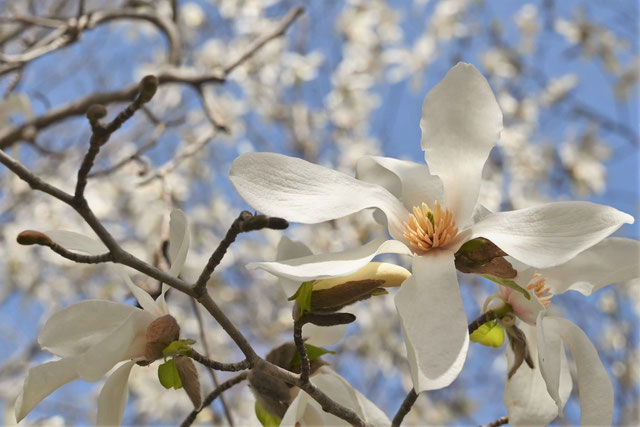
(31,237)
(189,377)
(96,112)
(147,88)
(160,333)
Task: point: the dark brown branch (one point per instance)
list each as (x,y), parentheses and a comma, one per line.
(305,366)
(499,422)
(219,366)
(83,259)
(481,320)
(213,395)
(404,408)
(245,222)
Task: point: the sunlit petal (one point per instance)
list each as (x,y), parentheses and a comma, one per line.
(113,396)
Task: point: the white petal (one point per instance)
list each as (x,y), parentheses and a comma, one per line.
(73,330)
(461,122)
(550,351)
(322,336)
(594,386)
(434,323)
(391,276)
(550,234)
(300,191)
(333,264)
(288,249)
(371,414)
(126,342)
(525,309)
(146,301)
(614,260)
(409,181)
(113,397)
(525,394)
(179,241)
(42,381)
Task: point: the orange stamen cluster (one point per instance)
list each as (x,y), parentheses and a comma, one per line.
(541,291)
(428,228)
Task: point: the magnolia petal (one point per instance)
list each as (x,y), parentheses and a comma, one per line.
(371,414)
(550,350)
(179,241)
(288,249)
(461,122)
(333,264)
(391,276)
(409,181)
(126,342)
(304,192)
(550,234)
(525,394)
(434,323)
(525,309)
(322,336)
(613,260)
(43,380)
(146,301)
(113,397)
(75,329)
(594,386)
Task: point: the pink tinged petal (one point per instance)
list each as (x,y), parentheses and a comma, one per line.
(550,234)
(333,264)
(434,323)
(113,397)
(126,342)
(594,386)
(300,191)
(461,122)
(614,260)
(525,309)
(409,181)
(322,336)
(525,394)
(179,241)
(42,381)
(73,330)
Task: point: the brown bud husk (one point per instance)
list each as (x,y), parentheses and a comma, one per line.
(486,259)
(147,88)
(190,381)
(160,333)
(337,297)
(518,343)
(32,237)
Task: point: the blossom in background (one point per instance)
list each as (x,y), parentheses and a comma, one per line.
(91,337)
(536,396)
(429,212)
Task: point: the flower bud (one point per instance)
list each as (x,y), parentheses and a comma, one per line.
(189,377)
(160,333)
(31,237)
(147,88)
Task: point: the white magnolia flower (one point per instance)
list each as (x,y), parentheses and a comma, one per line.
(91,337)
(297,253)
(428,211)
(537,396)
(305,411)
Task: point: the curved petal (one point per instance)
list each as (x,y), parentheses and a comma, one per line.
(75,329)
(333,264)
(594,386)
(126,342)
(113,397)
(525,394)
(461,122)
(434,324)
(409,181)
(42,381)
(300,191)
(371,414)
(550,351)
(613,260)
(525,309)
(550,234)
(322,336)
(179,241)
(288,249)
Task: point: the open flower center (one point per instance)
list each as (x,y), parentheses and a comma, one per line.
(541,291)
(429,228)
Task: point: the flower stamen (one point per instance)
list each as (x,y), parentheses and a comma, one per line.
(427,228)
(541,291)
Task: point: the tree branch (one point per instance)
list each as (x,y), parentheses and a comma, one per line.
(481,320)
(219,366)
(404,408)
(499,422)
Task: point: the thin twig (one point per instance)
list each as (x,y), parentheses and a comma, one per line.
(213,395)
(219,366)
(404,408)
(499,422)
(305,366)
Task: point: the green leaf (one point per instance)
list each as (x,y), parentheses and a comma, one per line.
(169,376)
(313,353)
(490,334)
(182,347)
(267,419)
(471,245)
(509,284)
(303,296)
(379,291)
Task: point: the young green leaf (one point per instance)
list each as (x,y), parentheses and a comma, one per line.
(490,334)
(508,283)
(169,376)
(267,419)
(471,245)
(313,353)
(178,347)
(303,296)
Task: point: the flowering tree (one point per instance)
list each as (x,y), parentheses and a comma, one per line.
(259,94)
